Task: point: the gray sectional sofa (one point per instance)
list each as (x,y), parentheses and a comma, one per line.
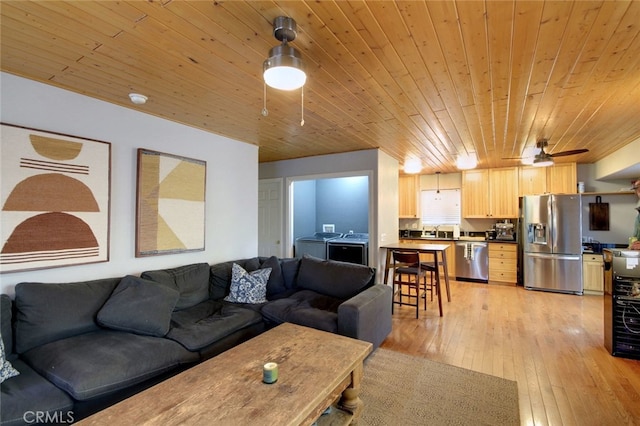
(83,346)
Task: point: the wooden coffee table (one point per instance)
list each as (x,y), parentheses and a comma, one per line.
(315,369)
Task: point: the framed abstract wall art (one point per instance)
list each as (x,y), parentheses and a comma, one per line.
(170,204)
(55,199)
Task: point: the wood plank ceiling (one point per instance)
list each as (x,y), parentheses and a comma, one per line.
(419,79)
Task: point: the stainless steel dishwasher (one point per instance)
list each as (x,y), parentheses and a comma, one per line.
(472,261)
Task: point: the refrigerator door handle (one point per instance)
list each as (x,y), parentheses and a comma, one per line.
(555,256)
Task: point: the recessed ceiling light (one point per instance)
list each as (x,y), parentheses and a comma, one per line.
(467,161)
(412,165)
(138,99)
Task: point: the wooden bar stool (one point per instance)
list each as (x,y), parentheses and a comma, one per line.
(409,280)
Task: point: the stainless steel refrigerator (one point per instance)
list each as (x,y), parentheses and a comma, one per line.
(552,252)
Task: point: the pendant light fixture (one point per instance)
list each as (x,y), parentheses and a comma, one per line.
(284,69)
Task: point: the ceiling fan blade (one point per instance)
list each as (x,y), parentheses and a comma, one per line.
(511,158)
(572,152)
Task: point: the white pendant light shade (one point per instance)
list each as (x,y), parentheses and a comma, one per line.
(283,69)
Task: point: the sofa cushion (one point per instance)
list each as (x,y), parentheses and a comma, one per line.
(29,393)
(6,329)
(101,362)
(290,268)
(208,322)
(305,307)
(337,279)
(48,312)
(192,281)
(248,287)
(275,285)
(220,279)
(139,306)
(6,369)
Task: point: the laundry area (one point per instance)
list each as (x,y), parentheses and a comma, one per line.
(331,218)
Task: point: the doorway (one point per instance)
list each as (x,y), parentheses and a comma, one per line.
(341,202)
(270,205)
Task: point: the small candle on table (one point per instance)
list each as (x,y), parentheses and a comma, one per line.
(270,372)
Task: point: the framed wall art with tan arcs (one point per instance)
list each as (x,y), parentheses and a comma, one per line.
(54,195)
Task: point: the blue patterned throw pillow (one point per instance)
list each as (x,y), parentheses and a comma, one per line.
(6,369)
(248,287)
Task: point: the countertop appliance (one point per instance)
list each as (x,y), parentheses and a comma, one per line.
(505,231)
(314,245)
(552,252)
(622,302)
(472,261)
(351,247)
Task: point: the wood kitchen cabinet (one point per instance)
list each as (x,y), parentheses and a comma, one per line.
(503,262)
(593,273)
(490,193)
(532,180)
(408,191)
(556,179)
(562,179)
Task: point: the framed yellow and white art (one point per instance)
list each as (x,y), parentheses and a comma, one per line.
(170,204)
(55,198)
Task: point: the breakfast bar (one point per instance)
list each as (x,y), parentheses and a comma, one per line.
(439,255)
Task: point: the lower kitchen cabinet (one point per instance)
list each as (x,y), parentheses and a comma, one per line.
(503,263)
(593,273)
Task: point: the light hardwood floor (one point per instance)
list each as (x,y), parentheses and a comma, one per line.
(550,343)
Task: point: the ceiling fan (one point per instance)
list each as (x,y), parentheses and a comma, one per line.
(543,158)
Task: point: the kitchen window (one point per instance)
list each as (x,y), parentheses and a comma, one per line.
(440,207)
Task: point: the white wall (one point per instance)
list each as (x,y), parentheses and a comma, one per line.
(231,187)
(383,188)
(387,207)
(622,211)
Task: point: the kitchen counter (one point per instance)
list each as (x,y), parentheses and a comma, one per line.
(472,239)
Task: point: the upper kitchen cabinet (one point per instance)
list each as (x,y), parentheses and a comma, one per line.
(408,186)
(557,179)
(533,180)
(490,193)
(562,179)
(475,187)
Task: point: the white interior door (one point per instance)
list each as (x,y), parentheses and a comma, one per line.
(270,218)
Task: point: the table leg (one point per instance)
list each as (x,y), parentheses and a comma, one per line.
(446,274)
(438,283)
(386,266)
(350,400)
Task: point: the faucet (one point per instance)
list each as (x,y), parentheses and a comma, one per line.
(437,227)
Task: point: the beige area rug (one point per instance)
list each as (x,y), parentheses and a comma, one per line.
(399,389)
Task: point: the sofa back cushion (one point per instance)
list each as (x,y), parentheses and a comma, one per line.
(290,268)
(332,278)
(192,281)
(6,328)
(220,278)
(49,312)
(221,275)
